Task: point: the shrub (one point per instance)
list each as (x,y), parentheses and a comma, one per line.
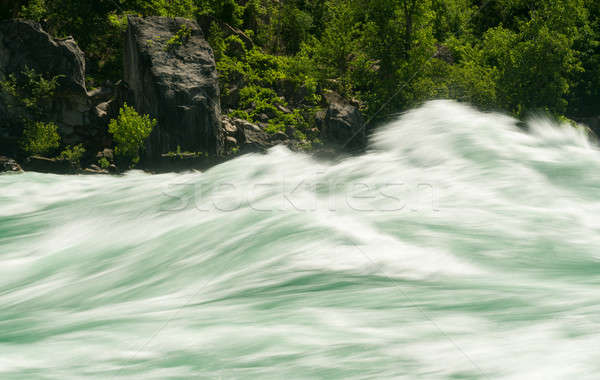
(73,155)
(103,163)
(129,131)
(40,138)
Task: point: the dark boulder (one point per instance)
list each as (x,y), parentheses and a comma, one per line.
(174,79)
(342,123)
(47,165)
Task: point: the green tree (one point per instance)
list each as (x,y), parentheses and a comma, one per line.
(535,63)
(585,94)
(129,131)
(293,26)
(471,79)
(340,39)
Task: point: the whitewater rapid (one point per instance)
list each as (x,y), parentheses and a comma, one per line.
(457,247)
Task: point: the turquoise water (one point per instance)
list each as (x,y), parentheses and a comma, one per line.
(457,247)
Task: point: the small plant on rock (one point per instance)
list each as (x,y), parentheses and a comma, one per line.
(129,131)
(183,34)
(103,163)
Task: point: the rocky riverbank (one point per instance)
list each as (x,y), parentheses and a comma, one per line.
(169,74)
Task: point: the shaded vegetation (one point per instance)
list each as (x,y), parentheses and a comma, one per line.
(40,138)
(276,58)
(30,91)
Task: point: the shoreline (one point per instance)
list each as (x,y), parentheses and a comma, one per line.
(181,163)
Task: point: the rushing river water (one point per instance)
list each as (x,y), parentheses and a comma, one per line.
(457,247)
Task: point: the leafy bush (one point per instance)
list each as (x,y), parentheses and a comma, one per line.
(40,138)
(103,163)
(73,155)
(129,131)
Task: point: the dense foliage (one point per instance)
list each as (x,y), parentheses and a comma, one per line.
(514,55)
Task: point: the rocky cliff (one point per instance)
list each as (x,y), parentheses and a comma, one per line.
(341,124)
(171,73)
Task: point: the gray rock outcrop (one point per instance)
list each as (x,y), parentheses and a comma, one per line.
(247,136)
(342,123)
(171,74)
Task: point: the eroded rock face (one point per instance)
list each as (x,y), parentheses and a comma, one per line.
(342,124)
(24,44)
(175,82)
